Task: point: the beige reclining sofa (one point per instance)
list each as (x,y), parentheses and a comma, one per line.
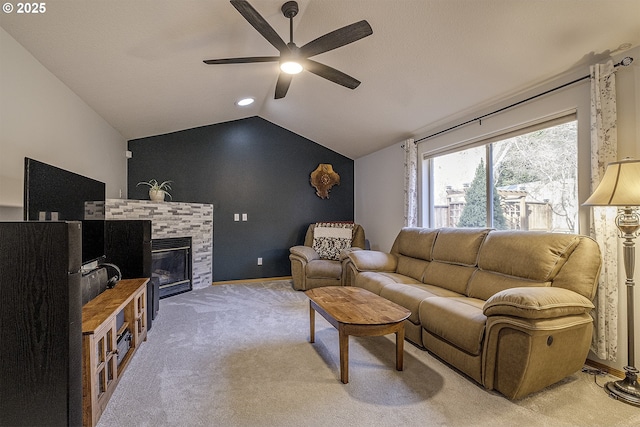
(508,308)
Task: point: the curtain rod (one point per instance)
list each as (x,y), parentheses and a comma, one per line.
(626,61)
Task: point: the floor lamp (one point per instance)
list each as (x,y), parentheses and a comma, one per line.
(620,186)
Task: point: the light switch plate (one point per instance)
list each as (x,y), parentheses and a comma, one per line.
(244,216)
(236,217)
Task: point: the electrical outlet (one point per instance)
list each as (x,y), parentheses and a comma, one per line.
(244,216)
(236,217)
(259,261)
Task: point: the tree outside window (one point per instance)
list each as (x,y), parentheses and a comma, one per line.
(474,213)
(534,176)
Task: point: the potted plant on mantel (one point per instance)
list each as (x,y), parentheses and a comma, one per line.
(156,190)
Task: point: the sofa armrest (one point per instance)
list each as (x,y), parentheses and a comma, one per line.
(305,252)
(373,261)
(536,303)
(344,254)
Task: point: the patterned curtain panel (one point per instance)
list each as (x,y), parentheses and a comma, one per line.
(603,229)
(410,183)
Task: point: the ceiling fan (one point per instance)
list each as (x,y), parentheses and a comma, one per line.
(294,59)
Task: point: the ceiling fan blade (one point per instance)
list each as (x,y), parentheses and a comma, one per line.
(245,60)
(335,39)
(260,24)
(282,86)
(331,74)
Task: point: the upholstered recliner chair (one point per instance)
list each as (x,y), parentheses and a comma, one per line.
(319,261)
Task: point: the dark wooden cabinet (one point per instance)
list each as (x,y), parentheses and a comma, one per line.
(40,324)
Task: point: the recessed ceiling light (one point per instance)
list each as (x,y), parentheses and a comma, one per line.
(245,101)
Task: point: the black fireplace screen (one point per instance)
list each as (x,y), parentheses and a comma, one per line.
(171,265)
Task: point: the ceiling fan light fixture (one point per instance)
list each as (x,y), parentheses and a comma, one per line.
(292,59)
(245,101)
(291,67)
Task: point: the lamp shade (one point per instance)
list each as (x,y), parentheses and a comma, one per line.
(620,185)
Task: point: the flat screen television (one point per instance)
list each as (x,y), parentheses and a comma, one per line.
(51,194)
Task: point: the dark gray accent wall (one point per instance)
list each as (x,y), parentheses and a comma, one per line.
(247,166)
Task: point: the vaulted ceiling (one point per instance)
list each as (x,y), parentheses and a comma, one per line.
(139,63)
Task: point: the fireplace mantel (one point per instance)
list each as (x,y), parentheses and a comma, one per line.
(175,219)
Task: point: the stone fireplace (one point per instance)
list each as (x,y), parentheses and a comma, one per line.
(171,265)
(171,220)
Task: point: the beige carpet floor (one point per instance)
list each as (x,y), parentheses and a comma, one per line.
(238,355)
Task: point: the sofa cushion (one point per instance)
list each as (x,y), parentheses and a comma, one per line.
(527,254)
(411,267)
(448,276)
(416,242)
(324,269)
(484,284)
(410,296)
(581,271)
(330,238)
(537,303)
(459,245)
(376,281)
(458,321)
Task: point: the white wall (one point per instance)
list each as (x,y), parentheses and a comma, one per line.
(379,176)
(379,195)
(41,118)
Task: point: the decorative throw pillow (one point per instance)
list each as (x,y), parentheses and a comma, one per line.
(330,238)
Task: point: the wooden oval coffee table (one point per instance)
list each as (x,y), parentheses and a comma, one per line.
(358,312)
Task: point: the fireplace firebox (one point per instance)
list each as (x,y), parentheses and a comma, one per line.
(171,265)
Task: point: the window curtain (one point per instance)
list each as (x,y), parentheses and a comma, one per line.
(410,183)
(603,229)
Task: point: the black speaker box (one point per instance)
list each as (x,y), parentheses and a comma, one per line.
(128,245)
(41,318)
